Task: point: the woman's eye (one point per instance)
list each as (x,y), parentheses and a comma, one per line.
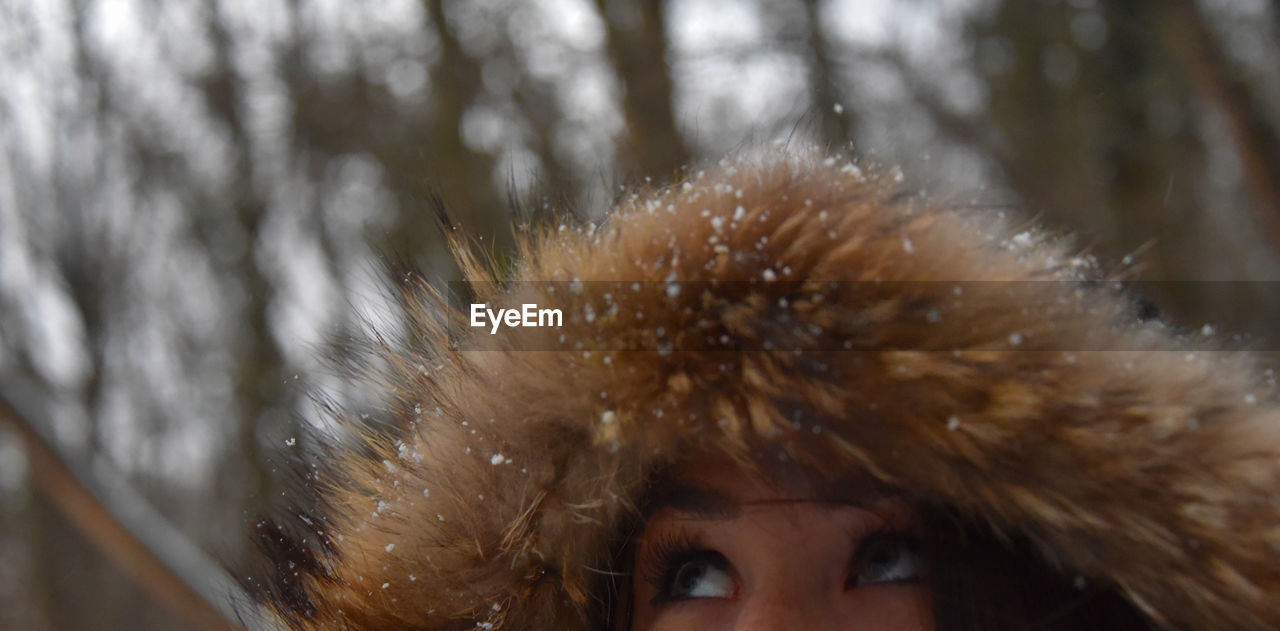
(704,576)
(887,559)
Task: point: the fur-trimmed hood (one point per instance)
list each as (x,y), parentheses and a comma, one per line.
(800,308)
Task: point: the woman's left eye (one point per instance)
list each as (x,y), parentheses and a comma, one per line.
(886,559)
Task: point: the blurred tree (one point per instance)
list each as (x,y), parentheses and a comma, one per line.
(833,123)
(637,44)
(1252,136)
(1097,118)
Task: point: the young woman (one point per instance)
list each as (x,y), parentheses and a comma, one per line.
(784,394)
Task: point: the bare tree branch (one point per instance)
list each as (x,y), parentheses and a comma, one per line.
(168,566)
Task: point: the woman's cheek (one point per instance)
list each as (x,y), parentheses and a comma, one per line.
(892,607)
(869,608)
(704,614)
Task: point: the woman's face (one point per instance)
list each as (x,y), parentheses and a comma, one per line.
(722,551)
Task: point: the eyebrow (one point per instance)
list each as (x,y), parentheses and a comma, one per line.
(698,502)
(702,503)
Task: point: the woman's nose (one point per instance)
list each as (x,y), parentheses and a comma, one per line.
(788,609)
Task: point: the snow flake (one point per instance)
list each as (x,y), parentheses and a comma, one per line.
(497,459)
(769,275)
(739,213)
(608,416)
(908,246)
(390,547)
(953,423)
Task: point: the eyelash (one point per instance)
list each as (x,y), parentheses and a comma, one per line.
(861,556)
(668,554)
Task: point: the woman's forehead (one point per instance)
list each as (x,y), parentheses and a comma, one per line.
(716,487)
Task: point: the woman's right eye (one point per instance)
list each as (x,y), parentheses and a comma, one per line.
(703,575)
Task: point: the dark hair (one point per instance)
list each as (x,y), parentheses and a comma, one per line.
(981,582)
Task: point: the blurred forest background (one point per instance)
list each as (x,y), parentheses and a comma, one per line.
(195,194)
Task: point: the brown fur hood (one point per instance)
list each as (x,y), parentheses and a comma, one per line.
(799,308)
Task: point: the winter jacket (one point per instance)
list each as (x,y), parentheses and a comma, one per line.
(799,308)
